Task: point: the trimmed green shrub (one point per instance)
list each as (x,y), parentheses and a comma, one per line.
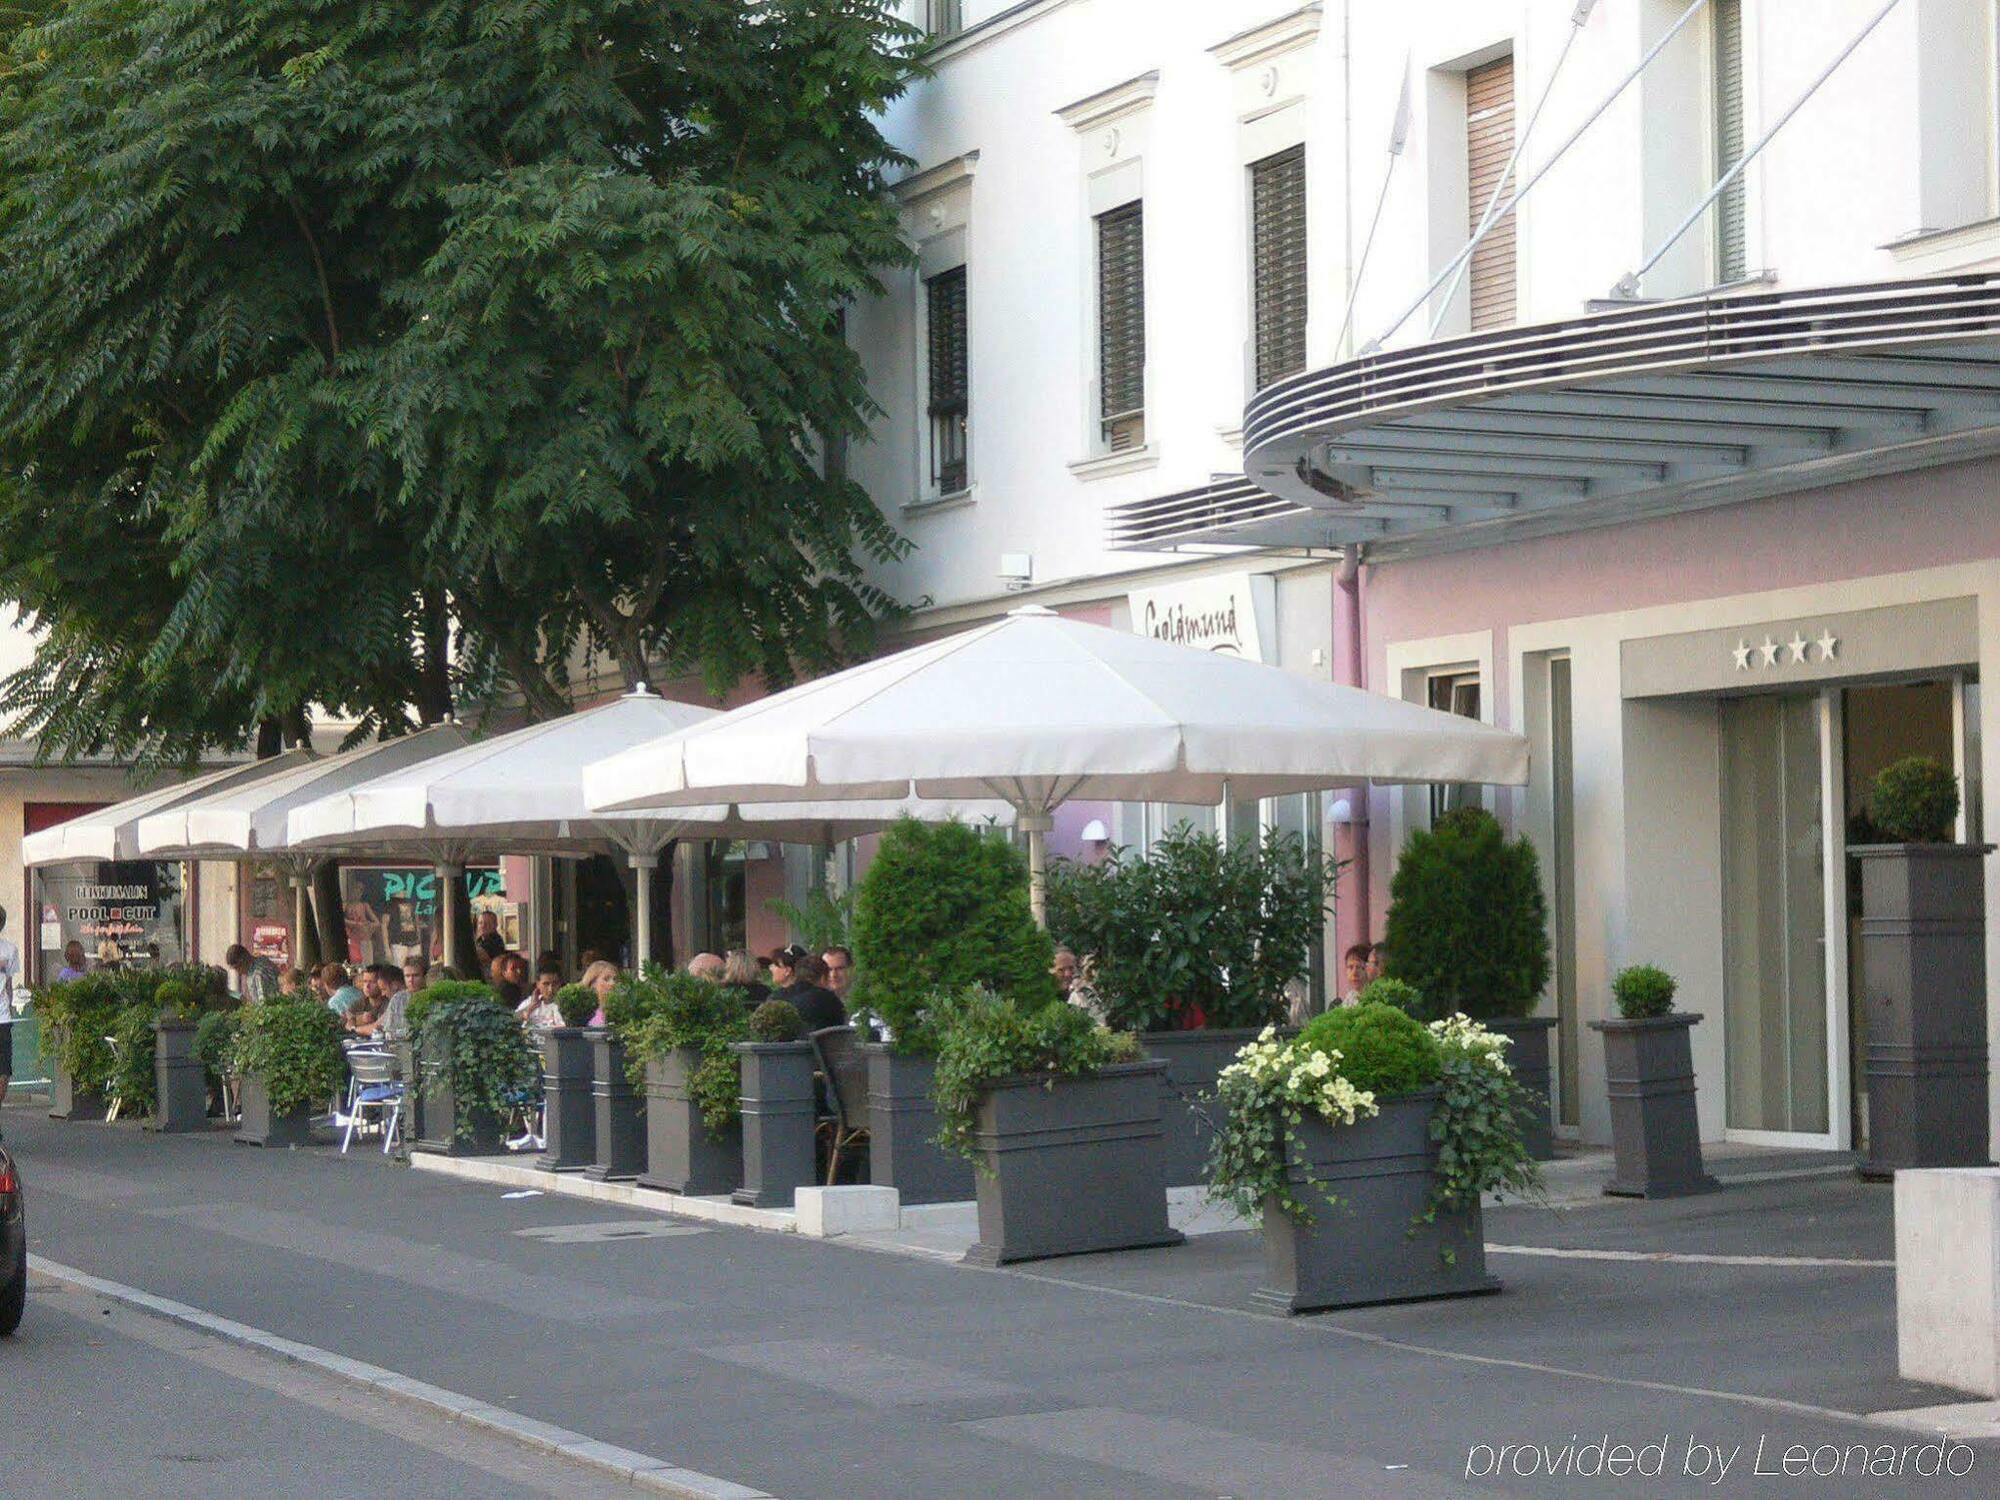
(1402,995)
(1468,923)
(982,1037)
(293,1047)
(943,907)
(76,1017)
(669,1011)
(578,1003)
(481,1050)
(215,1037)
(1383,1050)
(1915,801)
(133,1079)
(420,1005)
(777,1021)
(1643,991)
(1200,931)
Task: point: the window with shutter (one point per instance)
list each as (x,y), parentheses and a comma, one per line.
(1278,263)
(1726,24)
(1489,141)
(1121,327)
(949,409)
(944,17)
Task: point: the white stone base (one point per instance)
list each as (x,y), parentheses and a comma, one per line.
(1948,1277)
(826,1211)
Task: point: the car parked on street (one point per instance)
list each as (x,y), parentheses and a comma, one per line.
(13,1246)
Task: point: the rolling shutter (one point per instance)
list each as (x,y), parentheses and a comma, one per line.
(1121,326)
(1731,260)
(948,379)
(1489,141)
(1278,263)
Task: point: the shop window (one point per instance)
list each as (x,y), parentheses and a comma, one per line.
(133,906)
(392,910)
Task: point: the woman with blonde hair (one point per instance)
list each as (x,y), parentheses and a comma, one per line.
(601,978)
(739,973)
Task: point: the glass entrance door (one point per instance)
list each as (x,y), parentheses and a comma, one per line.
(1774,915)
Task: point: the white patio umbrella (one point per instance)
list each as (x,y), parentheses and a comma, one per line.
(1035,709)
(523,792)
(112,833)
(247,820)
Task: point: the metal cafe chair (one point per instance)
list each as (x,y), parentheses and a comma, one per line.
(844,1071)
(377,1093)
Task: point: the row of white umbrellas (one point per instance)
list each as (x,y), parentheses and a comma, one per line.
(1004,721)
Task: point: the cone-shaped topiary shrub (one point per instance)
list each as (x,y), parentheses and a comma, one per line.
(1468,923)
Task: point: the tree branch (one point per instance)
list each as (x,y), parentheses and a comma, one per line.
(325,291)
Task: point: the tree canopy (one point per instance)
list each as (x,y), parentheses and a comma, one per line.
(382,356)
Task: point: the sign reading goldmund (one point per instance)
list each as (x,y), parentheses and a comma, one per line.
(1230,613)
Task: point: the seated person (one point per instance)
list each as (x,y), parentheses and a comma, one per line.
(538,1011)
(817,1005)
(340,994)
(707,966)
(740,973)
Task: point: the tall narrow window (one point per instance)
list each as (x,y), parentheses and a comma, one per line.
(1453,693)
(1489,142)
(1278,263)
(1121,327)
(1726,50)
(944,17)
(949,408)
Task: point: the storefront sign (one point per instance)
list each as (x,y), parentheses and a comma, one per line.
(134,905)
(272,940)
(1231,613)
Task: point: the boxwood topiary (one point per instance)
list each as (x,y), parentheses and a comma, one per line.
(777,1021)
(1382,1050)
(1915,801)
(1468,923)
(1643,991)
(578,1003)
(943,907)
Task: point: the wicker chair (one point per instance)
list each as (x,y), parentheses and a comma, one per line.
(844,1072)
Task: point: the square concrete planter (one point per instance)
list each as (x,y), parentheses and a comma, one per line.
(1193,1060)
(262,1126)
(1923,967)
(68,1102)
(1528,1056)
(442,1136)
(1655,1137)
(619,1124)
(1069,1166)
(1370,1245)
(180,1082)
(570,1112)
(411,1127)
(779,1120)
(903,1152)
(681,1155)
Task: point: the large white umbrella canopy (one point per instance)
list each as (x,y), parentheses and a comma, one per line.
(112,833)
(1036,709)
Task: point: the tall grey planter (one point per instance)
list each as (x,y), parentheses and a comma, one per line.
(1193,1059)
(779,1120)
(442,1134)
(261,1125)
(68,1102)
(1370,1244)
(180,1082)
(569,1099)
(903,1152)
(681,1155)
(1923,967)
(1071,1165)
(1528,1057)
(1655,1137)
(411,1127)
(618,1125)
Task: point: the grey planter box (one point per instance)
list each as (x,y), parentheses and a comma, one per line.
(681,1155)
(442,1117)
(180,1082)
(1655,1138)
(620,1125)
(68,1102)
(570,1115)
(903,1152)
(1369,1246)
(1193,1060)
(779,1120)
(411,1127)
(260,1126)
(1071,1165)
(1923,966)
(1528,1056)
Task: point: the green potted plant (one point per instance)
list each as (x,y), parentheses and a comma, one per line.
(1649,1073)
(1195,945)
(473,1063)
(1468,926)
(942,906)
(77,1016)
(1923,966)
(680,1049)
(778,1106)
(289,1065)
(133,1079)
(215,1039)
(569,1100)
(1365,1144)
(1062,1118)
(618,1123)
(180,1082)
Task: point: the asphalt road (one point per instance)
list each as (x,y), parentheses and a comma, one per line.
(814,1370)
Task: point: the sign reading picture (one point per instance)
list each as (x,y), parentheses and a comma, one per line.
(392,910)
(133,906)
(1231,613)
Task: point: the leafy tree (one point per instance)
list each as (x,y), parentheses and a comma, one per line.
(375,356)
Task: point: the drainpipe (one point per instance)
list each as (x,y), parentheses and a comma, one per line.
(1352,919)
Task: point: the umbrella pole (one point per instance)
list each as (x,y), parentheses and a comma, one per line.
(1037,825)
(449,878)
(299,916)
(643,866)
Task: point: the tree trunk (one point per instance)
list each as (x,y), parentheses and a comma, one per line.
(270,738)
(434,672)
(329,916)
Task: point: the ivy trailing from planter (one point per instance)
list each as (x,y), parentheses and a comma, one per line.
(666,1012)
(482,1050)
(983,1038)
(293,1046)
(418,1012)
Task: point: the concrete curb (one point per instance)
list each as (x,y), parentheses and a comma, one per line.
(642,1469)
(574,1185)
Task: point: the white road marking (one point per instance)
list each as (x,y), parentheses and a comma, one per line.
(1691,1258)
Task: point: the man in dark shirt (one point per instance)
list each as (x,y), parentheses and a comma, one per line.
(817,1005)
(489,942)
